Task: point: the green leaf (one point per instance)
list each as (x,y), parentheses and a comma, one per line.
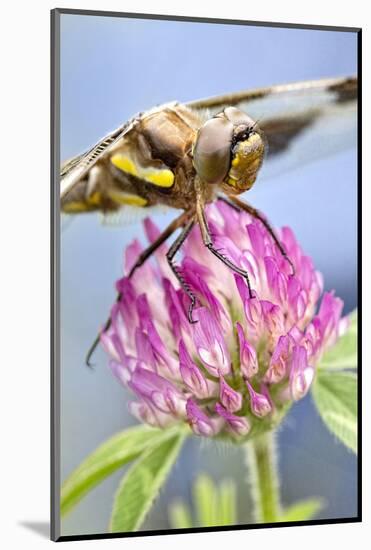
(343,355)
(335,397)
(106,459)
(206,501)
(227,514)
(141,484)
(179,515)
(214,505)
(303,510)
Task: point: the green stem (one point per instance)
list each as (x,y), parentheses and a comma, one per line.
(263,478)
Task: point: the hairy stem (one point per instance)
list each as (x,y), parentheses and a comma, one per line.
(263,478)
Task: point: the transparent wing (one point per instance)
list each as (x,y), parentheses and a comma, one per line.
(273,98)
(128,215)
(303,121)
(75,168)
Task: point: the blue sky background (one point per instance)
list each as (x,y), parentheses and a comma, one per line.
(111,68)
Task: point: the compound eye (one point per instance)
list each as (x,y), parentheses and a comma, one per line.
(238,118)
(212,150)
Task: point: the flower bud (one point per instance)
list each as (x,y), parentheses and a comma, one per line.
(259,403)
(301,375)
(248,359)
(230,398)
(237,424)
(200,423)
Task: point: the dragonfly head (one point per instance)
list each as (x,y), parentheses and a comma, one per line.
(229,151)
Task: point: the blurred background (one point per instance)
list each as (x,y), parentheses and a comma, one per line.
(112,68)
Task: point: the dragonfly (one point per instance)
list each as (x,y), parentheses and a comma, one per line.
(186,155)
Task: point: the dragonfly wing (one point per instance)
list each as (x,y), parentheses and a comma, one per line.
(128,215)
(273,100)
(302,121)
(329,131)
(74,169)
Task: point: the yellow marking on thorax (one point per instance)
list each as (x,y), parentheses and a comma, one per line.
(95,199)
(127,198)
(75,207)
(125,164)
(162,177)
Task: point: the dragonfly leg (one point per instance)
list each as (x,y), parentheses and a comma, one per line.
(206,237)
(173,226)
(238,204)
(170,258)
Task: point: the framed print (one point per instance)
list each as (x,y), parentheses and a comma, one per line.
(205,274)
